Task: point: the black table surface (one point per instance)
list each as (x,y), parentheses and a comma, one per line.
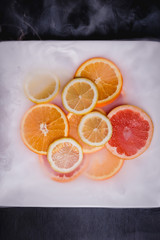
(79,20)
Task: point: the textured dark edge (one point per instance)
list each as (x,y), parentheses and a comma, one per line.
(79,20)
(79,224)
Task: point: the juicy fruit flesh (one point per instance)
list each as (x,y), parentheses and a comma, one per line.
(103,76)
(95,129)
(80,96)
(62,177)
(65,155)
(41,86)
(130,132)
(74,121)
(103,165)
(42,126)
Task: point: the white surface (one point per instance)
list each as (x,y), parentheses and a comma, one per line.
(22,181)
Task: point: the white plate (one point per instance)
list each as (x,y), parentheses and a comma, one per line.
(22,181)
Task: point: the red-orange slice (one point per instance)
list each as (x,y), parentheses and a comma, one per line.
(132,131)
(62,177)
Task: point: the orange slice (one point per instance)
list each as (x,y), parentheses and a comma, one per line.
(62,177)
(65,155)
(74,121)
(132,131)
(80,96)
(41,125)
(41,87)
(95,129)
(103,165)
(106,75)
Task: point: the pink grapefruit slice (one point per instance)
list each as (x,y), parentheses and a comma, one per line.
(62,177)
(132,131)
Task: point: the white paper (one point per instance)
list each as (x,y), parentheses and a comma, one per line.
(22,179)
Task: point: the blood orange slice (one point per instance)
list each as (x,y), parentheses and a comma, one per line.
(103,165)
(62,177)
(132,131)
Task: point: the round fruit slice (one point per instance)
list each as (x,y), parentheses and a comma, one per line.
(41,88)
(132,131)
(106,75)
(80,96)
(41,125)
(103,165)
(62,177)
(65,155)
(74,121)
(95,129)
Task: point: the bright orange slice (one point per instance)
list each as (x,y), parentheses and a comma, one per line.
(132,131)
(95,129)
(74,121)
(103,165)
(62,177)
(106,75)
(80,96)
(41,125)
(65,155)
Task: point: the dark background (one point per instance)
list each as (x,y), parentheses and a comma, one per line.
(76,20)
(79,19)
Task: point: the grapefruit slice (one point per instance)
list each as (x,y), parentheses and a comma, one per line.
(103,165)
(65,155)
(80,96)
(74,121)
(41,87)
(62,177)
(132,131)
(107,77)
(95,129)
(41,125)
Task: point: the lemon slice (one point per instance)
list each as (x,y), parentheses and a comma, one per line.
(41,87)
(80,96)
(95,129)
(65,155)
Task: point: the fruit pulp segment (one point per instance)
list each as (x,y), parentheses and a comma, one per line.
(130,132)
(42,127)
(103,76)
(65,155)
(41,86)
(103,165)
(80,96)
(95,129)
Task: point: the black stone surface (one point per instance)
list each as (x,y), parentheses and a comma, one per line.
(79,19)
(79,224)
(74,20)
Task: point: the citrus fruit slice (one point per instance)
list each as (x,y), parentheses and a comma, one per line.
(65,155)
(74,121)
(95,129)
(106,75)
(103,165)
(41,88)
(132,131)
(41,125)
(62,177)
(80,96)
